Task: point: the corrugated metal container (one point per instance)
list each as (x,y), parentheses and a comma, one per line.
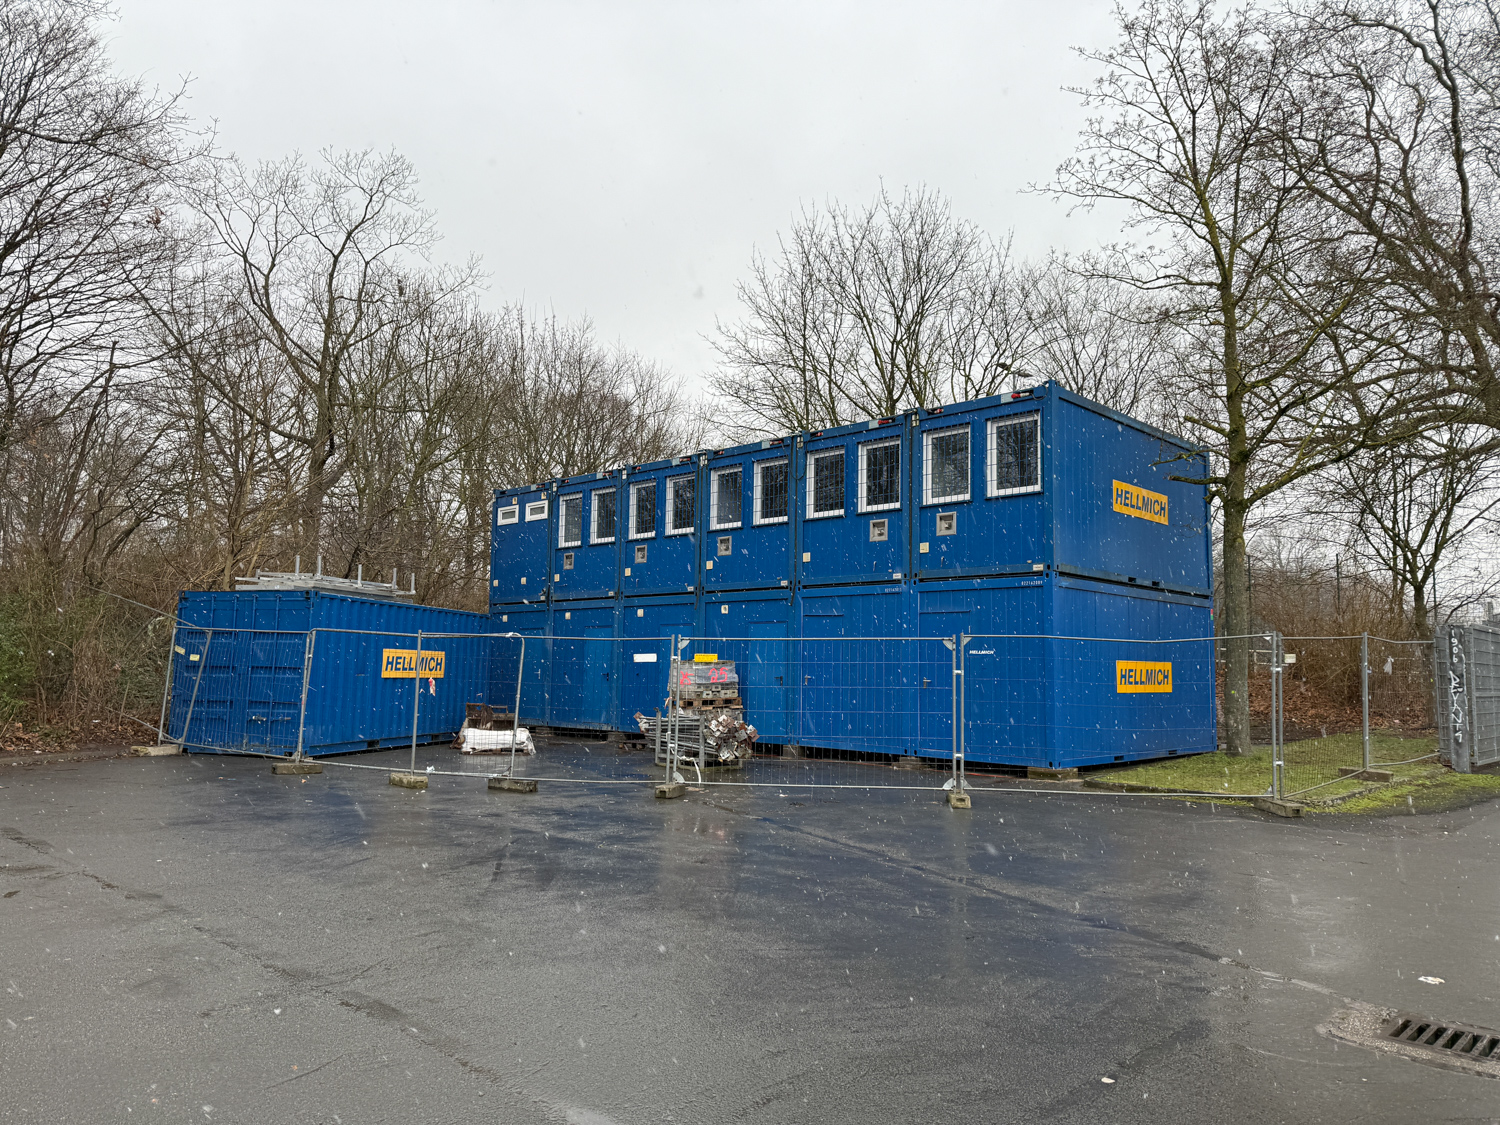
(520,548)
(661,515)
(237,671)
(747,516)
(588,527)
(853,504)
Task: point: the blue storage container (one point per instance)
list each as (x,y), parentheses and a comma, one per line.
(534,623)
(520,548)
(661,518)
(747,517)
(853,492)
(588,529)
(754,628)
(237,671)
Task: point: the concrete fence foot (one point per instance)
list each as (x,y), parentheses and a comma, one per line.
(671,789)
(1277,807)
(156,751)
(513,784)
(295,767)
(408,780)
(958,800)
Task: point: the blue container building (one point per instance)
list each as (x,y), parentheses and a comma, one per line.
(829,565)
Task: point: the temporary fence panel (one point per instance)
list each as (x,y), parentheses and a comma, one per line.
(1468,695)
(850,493)
(583,665)
(979,505)
(587,534)
(1006,693)
(661,517)
(754,629)
(747,536)
(520,546)
(854,669)
(646,628)
(1119,505)
(252,645)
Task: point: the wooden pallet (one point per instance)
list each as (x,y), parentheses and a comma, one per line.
(729,702)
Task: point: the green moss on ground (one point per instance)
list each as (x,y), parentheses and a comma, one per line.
(1315,763)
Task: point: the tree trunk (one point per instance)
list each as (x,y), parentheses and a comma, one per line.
(1236,619)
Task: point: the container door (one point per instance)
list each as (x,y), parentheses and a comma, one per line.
(934,712)
(763,681)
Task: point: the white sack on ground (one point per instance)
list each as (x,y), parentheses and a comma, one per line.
(495,741)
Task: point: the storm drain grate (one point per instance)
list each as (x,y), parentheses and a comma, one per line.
(1448,1038)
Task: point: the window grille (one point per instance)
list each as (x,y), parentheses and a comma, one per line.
(724,499)
(680,499)
(570,520)
(879,476)
(643,510)
(1015,455)
(825,484)
(604,516)
(945,465)
(770,491)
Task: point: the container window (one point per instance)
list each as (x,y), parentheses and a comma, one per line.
(880,531)
(681,496)
(643,510)
(879,476)
(536,510)
(825,484)
(604,516)
(570,520)
(946,465)
(724,502)
(1015,455)
(770,491)
(508,515)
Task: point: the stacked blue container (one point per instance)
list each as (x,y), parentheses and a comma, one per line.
(827,564)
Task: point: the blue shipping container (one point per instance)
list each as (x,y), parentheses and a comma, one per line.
(238,660)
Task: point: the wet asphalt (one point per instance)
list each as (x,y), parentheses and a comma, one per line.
(193,939)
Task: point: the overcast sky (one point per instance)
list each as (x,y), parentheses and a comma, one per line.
(624,160)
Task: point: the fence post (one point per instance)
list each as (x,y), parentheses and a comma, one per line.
(307,659)
(1364,698)
(515,723)
(166,688)
(193,699)
(1278,762)
(416,703)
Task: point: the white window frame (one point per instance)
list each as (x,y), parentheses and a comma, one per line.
(562,520)
(536,510)
(928,496)
(812,480)
(713,497)
(635,491)
(759,494)
(672,483)
(506,516)
(1033,418)
(594,536)
(864,476)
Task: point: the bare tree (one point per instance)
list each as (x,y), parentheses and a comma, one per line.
(84,158)
(1189,137)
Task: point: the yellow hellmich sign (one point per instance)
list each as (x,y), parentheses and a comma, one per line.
(1143,675)
(408,663)
(1138,502)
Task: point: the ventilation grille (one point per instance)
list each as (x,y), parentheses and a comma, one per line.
(1446,1038)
